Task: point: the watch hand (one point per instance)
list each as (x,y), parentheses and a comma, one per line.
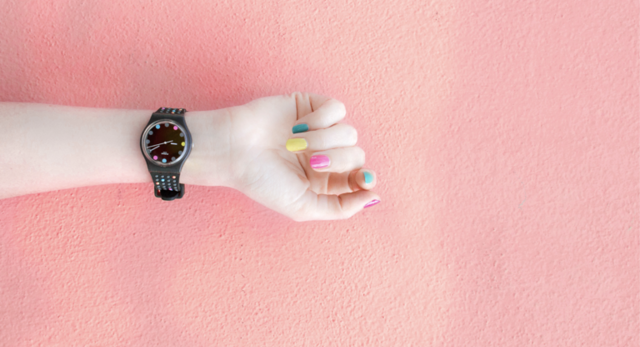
(156,146)
(151,148)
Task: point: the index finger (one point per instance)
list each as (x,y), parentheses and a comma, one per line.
(318,111)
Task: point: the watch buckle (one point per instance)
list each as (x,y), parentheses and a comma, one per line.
(168,195)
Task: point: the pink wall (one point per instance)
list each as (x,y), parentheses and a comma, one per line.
(504,135)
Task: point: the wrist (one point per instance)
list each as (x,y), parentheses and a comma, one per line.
(209,162)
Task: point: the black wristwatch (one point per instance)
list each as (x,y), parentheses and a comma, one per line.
(166,144)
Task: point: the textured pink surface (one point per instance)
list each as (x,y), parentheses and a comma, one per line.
(504,135)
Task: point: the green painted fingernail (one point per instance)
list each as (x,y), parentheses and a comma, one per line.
(368,178)
(300,128)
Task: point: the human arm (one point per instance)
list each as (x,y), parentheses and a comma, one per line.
(53,147)
(47,147)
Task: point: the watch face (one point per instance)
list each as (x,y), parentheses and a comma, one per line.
(165,142)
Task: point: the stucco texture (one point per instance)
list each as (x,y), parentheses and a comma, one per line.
(504,134)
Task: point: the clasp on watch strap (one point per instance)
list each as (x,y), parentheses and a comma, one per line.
(168,195)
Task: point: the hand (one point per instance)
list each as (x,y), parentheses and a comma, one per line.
(284,181)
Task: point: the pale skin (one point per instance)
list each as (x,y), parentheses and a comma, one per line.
(53,147)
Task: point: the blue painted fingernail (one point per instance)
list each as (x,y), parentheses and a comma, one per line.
(300,128)
(368,178)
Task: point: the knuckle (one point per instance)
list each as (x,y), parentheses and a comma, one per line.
(342,165)
(340,107)
(350,133)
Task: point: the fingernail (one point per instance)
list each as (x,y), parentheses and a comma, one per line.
(300,128)
(319,161)
(368,178)
(296,144)
(371,203)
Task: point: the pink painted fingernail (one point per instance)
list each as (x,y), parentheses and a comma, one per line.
(319,161)
(371,203)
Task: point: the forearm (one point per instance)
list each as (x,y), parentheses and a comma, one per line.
(52,147)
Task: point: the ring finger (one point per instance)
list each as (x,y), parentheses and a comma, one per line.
(337,159)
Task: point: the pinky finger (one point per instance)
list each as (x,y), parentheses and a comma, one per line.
(333,207)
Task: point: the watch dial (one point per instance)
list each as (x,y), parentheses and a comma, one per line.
(165,142)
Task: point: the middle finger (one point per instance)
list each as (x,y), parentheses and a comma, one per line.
(339,135)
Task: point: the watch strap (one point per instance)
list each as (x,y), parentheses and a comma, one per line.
(167,186)
(167,110)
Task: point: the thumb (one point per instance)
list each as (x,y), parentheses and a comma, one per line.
(312,206)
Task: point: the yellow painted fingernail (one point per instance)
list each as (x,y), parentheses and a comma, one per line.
(296,144)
